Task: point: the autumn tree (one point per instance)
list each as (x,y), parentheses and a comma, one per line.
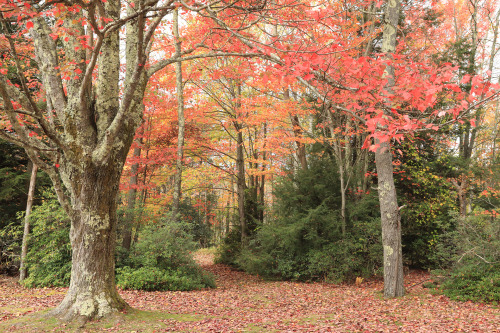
(391,92)
(82,135)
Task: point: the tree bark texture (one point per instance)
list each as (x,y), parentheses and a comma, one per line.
(92,292)
(389,212)
(391,223)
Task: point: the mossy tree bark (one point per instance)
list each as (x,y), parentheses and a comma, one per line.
(92,291)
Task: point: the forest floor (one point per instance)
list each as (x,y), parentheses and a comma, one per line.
(245,303)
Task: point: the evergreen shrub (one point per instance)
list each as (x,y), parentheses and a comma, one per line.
(228,252)
(152,278)
(161,260)
(475,252)
(474,282)
(48,260)
(304,240)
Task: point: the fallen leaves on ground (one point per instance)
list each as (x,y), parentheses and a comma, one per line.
(244,303)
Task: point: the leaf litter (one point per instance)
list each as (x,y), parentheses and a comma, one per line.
(244,303)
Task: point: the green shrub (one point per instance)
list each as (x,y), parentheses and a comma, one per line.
(474,248)
(298,251)
(152,278)
(161,260)
(11,237)
(228,252)
(304,241)
(358,254)
(48,260)
(423,188)
(165,245)
(474,282)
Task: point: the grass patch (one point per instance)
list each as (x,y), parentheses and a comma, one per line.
(133,320)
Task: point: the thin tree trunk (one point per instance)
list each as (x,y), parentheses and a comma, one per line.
(343,199)
(390,218)
(462,194)
(341,160)
(494,134)
(240,166)
(263,178)
(180,114)
(297,131)
(366,164)
(131,203)
(230,200)
(29,204)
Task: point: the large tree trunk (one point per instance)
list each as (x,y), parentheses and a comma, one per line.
(92,292)
(390,218)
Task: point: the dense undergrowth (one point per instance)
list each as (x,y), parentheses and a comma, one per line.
(303,239)
(160,259)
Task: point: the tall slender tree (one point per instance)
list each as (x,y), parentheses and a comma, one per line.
(389,210)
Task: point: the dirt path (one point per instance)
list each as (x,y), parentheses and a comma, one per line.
(243,303)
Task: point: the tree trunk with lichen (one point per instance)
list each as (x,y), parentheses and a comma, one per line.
(92,292)
(391,223)
(389,212)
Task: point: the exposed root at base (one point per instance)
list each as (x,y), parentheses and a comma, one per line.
(81,310)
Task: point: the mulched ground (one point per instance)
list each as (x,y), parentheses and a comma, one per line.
(243,303)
